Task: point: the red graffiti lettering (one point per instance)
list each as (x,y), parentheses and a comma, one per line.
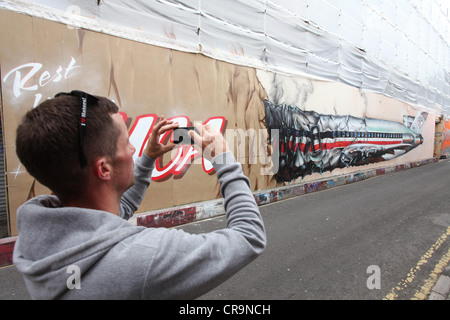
(182,156)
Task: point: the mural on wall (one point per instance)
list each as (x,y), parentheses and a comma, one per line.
(240,101)
(40,58)
(310,142)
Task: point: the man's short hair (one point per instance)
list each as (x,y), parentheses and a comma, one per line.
(47,140)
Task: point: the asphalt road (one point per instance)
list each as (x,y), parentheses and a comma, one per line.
(381,238)
(390,232)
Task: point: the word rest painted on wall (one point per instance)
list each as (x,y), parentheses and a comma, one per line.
(181,156)
(22,76)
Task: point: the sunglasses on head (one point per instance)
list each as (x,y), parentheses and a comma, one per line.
(84,99)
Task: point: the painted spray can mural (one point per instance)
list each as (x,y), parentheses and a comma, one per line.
(310,142)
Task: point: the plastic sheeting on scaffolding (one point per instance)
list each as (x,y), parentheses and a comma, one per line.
(400,48)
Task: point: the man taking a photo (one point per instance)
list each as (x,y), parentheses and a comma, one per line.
(77,145)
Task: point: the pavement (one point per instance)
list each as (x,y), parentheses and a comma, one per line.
(12,286)
(441,289)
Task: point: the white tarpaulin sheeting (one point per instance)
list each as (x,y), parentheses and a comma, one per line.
(399,48)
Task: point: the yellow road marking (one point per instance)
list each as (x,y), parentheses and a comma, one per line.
(423,260)
(8,266)
(423,292)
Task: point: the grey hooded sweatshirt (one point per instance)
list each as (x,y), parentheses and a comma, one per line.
(118,260)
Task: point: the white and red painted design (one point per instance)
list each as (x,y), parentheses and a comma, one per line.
(310,142)
(182,156)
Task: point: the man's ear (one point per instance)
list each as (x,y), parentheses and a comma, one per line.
(102,168)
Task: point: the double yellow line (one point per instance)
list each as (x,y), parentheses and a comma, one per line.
(424,291)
